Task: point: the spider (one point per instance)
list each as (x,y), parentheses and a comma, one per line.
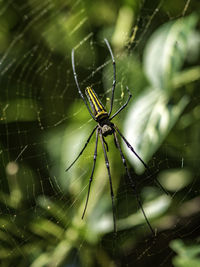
(103,128)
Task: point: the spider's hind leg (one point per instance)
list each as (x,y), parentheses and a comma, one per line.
(110,180)
(105,143)
(144,164)
(131,181)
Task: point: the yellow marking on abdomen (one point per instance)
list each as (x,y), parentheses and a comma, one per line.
(95,101)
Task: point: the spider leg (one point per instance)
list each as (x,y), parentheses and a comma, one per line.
(131,181)
(130,147)
(145,165)
(88,140)
(110,180)
(105,144)
(130,95)
(114,75)
(91,177)
(77,84)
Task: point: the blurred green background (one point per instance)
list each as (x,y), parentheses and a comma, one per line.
(44,124)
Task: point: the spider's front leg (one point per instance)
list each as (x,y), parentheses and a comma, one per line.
(114,75)
(87,142)
(91,176)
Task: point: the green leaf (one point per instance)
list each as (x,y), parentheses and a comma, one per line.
(153,209)
(148,122)
(166,51)
(187,255)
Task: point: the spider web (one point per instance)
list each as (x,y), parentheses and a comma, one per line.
(44,124)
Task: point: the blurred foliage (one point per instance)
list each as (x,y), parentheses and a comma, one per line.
(44,124)
(187,255)
(157,107)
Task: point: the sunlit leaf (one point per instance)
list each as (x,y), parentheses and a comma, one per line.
(153,209)
(175,179)
(166,51)
(148,122)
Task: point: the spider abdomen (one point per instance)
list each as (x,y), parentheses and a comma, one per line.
(98,109)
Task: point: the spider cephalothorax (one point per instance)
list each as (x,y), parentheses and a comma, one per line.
(103,128)
(106,129)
